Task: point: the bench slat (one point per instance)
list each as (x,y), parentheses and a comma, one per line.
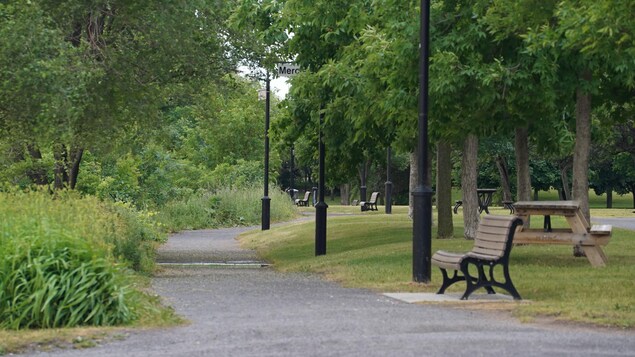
(447,260)
(495,246)
(483,256)
(494,229)
(490,237)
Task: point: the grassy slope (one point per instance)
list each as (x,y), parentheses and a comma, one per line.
(374,251)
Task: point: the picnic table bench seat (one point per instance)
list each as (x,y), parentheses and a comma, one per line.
(370,205)
(492,246)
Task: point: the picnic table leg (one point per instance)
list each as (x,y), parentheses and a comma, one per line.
(595,255)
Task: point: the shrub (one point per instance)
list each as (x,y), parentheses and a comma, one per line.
(195,212)
(226,208)
(61,255)
(60,281)
(128,234)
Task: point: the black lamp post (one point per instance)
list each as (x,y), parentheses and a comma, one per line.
(321,206)
(291,178)
(388,184)
(266,201)
(422,195)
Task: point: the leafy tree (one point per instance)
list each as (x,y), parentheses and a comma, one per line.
(590,43)
(104,69)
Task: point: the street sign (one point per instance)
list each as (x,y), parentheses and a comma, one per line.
(287,69)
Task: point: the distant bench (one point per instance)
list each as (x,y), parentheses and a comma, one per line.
(370,205)
(304,201)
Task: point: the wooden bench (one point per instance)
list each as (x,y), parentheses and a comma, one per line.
(370,205)
(304,201)
(492,246)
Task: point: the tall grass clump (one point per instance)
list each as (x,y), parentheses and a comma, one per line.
(246,204)
(63,259)
(59,280)
(128,234)
(225,208)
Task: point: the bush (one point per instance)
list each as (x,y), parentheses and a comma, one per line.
(196,212)
(226,208)
(59,259)
(116,227)
(134,241)
(59,280)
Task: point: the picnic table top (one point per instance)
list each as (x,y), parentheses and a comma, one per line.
(564,205)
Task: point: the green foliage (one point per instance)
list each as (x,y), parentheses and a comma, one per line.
(121,184)
(62,260)
(60,281)
(226,207)
(244,174)
(125,233)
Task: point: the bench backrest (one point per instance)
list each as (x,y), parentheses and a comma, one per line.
(494,235)
(373,197)
(306,195)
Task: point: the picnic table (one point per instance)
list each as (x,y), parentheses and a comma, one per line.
(591,239)
(484,200)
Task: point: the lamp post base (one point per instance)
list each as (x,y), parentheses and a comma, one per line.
(266,213)
(422,234)
(320,228)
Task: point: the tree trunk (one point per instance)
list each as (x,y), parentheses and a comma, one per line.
(444,190)
(581,151)
(61,161)
(345,190)
(469,173)
(609,197)
(37,173)
(414,176)
(363,174)
(504,172)
(73,169)
(523,173)
(523,176)
(564,178)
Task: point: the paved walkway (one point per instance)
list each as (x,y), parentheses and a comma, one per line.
(237,308)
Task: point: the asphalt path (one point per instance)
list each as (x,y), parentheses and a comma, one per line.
(237,308)
(626,223)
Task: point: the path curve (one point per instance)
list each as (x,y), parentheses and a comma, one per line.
(261,312)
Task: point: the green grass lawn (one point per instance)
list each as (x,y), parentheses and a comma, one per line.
(374,251)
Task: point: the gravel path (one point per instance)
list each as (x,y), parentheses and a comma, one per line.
(245,310)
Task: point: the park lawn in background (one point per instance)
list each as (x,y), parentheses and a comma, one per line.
(374,251)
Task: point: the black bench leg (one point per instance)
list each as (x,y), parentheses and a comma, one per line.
(472,283)
(469,282)
(447,281)
(509,286)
